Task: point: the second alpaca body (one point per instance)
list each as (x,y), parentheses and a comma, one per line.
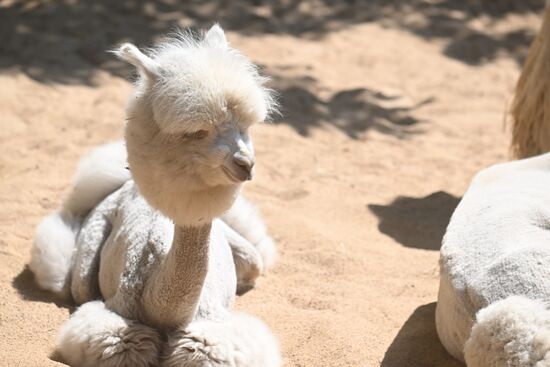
(153,250)
(492,307)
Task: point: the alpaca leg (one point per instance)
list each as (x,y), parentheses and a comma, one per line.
(85,269)
(240,341)
(245,219)
(95,336)
(248,261)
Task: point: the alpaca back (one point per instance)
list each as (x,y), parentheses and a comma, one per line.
(495,247)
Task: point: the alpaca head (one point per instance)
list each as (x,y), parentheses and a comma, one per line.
(187,134)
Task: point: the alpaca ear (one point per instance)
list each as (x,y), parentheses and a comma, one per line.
(132,55)
(216,37)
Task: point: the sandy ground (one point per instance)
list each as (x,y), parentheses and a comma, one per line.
(389,110)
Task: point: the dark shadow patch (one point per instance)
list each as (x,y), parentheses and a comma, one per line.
(417,222)
(476,48)
(353,111)
(66,41)
(27,288)
(417,343)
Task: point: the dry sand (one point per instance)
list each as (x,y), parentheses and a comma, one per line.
(389,110)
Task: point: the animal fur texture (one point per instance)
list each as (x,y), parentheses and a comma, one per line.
(98,174)
(101,172)
(492,307)
(150,260)
(531,105)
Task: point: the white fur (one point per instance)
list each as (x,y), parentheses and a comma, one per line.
(52,251)
(240,341)
(195,86)
(513,332)
(152,249)
(246,220)
(99,173)
(94,336)
(248,261)
(495,248)
(183,73)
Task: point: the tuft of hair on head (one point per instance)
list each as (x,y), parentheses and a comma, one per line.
(192,77)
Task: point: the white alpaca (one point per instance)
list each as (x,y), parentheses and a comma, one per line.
(494,293)
(152,249)
(99,174)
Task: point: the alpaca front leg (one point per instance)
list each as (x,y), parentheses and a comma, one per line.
(95,336)
(248,261)
(240,341)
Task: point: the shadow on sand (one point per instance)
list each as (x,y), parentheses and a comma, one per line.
(417,343)
(65,41)
(353,111)
(417,222)
(27,288)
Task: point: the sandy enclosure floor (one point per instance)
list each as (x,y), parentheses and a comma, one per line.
(389,110)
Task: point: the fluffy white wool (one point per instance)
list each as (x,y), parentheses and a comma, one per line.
(191,85)
(246,220)
(52,250)
(99,173)
(241,341)
(496,246)
(94,336)
(513,332)
(152,249)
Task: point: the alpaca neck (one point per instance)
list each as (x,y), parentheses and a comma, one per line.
(172,293)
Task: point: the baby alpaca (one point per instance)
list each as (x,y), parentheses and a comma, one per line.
(103,171)
(151,263)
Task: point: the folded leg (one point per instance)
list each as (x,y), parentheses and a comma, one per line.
(245,219)
(95,336)
(248,261)
(240,341)
(93,234)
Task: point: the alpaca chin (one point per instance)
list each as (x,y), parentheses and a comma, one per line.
(192,207)
(198,207)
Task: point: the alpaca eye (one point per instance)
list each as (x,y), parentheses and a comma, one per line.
(197,135)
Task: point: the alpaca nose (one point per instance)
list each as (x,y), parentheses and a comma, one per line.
(245,163)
